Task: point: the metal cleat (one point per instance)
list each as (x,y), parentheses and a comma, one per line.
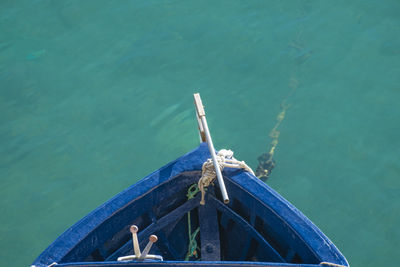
(138,255)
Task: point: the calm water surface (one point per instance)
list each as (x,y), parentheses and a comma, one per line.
(96,94)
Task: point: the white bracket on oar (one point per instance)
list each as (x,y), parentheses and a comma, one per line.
(204,132)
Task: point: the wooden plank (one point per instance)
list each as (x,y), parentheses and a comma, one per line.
(248,228)
(209,232)
(199,105)
(171,217)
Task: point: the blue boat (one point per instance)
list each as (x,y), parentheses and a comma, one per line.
(255,227)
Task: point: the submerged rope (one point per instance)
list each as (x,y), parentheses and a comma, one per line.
(266,162)
(301,54)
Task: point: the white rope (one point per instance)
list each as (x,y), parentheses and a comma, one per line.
(225,159)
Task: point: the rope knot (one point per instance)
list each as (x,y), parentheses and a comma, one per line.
(225,159)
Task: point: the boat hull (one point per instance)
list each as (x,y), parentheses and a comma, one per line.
(257,227)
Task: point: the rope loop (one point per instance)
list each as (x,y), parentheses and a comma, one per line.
(208,175)
(192,191)
(192,250)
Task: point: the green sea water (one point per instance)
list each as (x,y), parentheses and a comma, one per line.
(95,95)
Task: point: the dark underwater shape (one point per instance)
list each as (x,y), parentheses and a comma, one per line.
(265,166)
(257,228)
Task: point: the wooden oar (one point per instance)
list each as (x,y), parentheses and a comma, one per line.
(202,115)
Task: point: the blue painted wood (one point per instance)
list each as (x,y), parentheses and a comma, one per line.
(248,231)
(209,231)
(257,226)
(283,220)
(156,226)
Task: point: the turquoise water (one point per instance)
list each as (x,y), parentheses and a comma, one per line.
(96,94)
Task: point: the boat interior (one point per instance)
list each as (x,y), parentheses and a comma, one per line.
(245,230)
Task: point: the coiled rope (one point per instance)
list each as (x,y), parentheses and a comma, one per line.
(224,159)
(208,176)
